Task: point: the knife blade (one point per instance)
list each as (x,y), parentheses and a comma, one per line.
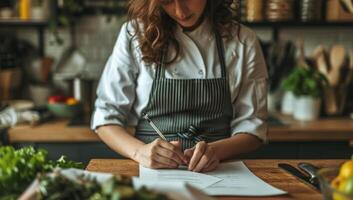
(299,175)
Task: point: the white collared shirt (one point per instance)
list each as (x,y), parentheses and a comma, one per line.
(125,85)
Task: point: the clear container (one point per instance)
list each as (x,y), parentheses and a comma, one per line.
(325,176)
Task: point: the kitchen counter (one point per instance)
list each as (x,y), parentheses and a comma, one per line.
(267,170)
(330,129)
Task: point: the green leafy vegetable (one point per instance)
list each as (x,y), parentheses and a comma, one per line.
(58,187)
(18,168)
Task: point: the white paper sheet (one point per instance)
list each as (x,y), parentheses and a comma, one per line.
(175,191)
(233,179)
(238,180)
(197,180)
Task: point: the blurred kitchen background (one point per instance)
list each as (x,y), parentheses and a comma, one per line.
(52,53)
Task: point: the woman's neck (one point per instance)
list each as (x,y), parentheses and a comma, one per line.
(195,26)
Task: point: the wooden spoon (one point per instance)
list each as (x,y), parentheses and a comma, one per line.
(337,58)
(348,4)
(320,59)
(301,60)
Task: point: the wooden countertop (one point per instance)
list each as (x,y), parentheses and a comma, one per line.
(321,130)
(267,170)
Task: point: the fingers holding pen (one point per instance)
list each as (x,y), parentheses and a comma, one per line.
(170,154)
(202,157)
(198,152)
(175,149)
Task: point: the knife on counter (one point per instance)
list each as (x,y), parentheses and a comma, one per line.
(310,170)
(299,175)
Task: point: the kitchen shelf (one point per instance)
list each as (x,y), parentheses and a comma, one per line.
(296,24)
(277,26)
(22,23)
(39,25)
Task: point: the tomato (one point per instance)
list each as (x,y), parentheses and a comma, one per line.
(56,99)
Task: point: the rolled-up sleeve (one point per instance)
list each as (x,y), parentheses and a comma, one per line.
(116,88)
(250,106)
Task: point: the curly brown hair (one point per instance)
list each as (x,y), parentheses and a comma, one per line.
(154,27)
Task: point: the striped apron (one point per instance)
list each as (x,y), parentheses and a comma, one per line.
(188,110)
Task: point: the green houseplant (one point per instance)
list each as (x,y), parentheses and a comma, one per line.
(307,85)
(305,82)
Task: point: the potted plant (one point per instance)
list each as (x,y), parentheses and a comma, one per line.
(307,86)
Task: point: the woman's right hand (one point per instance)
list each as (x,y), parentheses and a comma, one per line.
(161,154)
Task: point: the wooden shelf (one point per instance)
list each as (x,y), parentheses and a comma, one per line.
(296,24)
(22,23)
(39,25)
(277,26)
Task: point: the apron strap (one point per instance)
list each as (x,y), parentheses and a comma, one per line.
(160,72)
(220,50)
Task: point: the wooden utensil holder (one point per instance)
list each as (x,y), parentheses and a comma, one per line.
(335,12)
(10,80)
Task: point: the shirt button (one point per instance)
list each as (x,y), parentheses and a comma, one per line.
(200,72)
(210,38)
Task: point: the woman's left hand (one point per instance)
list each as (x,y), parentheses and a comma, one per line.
(202,157)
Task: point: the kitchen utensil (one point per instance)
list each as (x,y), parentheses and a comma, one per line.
(320,56)
(343,88)
(348,4)
(301,59)
(337,59)
(331,107)
(298,174)
(311,170)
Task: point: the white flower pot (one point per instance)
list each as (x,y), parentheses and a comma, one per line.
(287,103)
(306,108)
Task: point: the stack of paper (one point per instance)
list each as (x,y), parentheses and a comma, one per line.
(233,179)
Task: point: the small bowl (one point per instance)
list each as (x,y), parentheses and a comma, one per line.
(325,176)
(63,110)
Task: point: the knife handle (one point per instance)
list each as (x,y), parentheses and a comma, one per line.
(309,169)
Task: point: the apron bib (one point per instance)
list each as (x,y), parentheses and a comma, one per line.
(188,110)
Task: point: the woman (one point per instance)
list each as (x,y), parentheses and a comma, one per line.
(197,74)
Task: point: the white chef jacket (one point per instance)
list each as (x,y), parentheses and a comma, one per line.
(125,85)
